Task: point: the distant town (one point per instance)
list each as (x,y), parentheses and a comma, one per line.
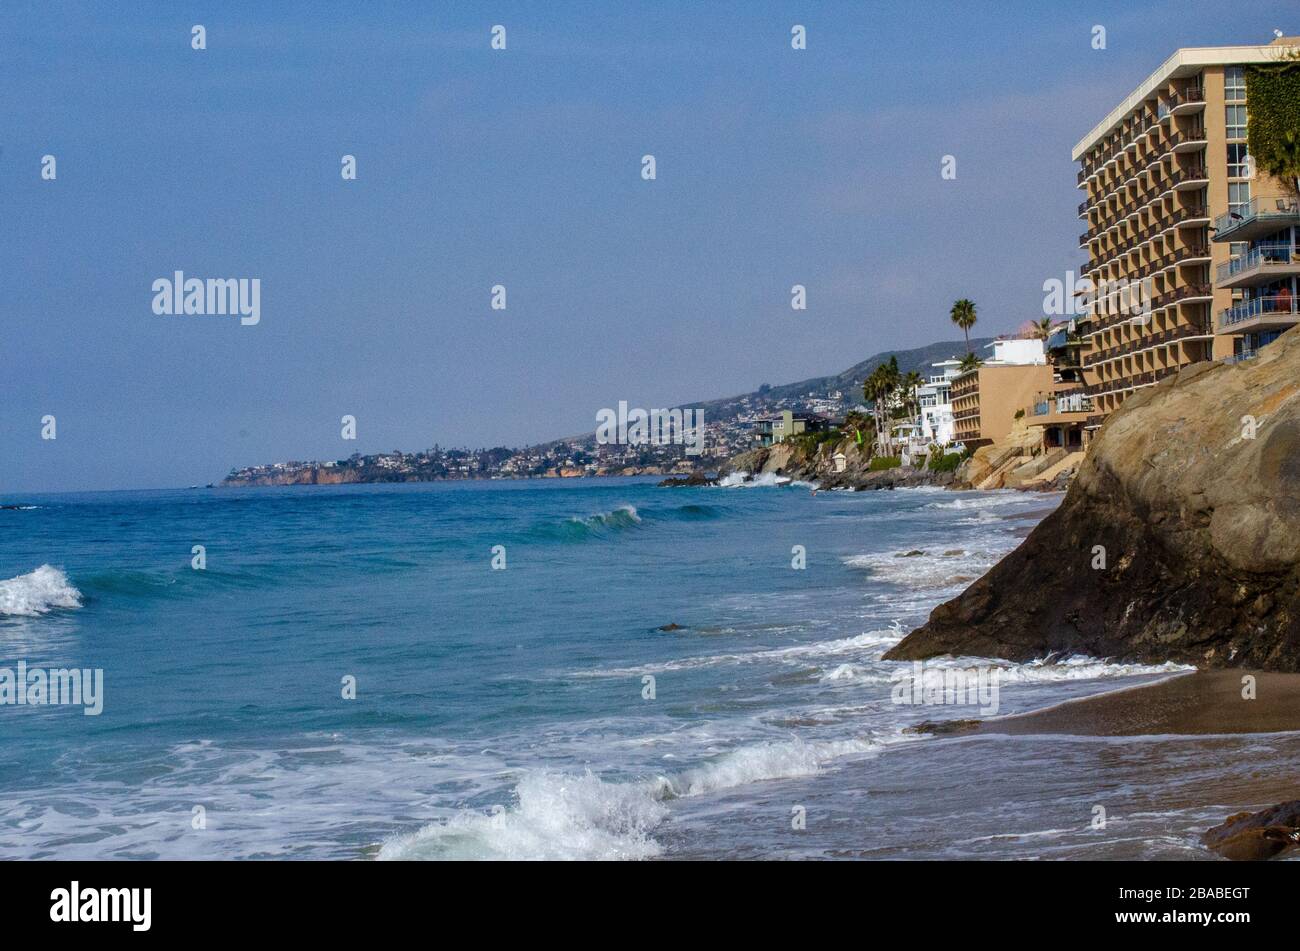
(562,458)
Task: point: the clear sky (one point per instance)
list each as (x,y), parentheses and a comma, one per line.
(519,167)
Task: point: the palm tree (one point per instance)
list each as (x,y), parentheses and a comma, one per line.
(969,362)
(963,315)
(911,383)
(1043,328)
(878,389)
(873,393)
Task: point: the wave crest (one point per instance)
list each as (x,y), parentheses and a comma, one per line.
(37,592)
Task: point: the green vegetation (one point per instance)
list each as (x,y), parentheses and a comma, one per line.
(1273,120)
(946,462)
(810,441)
(880,463)
(881,390)
(970,362)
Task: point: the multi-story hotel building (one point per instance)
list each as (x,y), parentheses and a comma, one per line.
(1163,172)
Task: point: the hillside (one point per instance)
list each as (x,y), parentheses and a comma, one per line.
(849,381)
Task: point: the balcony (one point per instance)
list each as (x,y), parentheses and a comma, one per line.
(1147,342)
(1261,264)
(1272,312)
(1191,214)
(1186,101)
(1194,176)
(1257,218)
(1187,140)
(1083,209)
(1048,410)
(1188,254)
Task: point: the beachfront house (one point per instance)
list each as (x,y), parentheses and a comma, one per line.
(776,429)
(934,403)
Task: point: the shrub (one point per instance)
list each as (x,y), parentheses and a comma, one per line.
(948,462)
(880,463)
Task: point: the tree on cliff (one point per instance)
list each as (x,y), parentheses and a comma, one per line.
(880,390)
(963,315)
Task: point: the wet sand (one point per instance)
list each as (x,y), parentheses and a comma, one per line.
(1201,703)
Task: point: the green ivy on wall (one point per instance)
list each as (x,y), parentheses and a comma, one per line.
(1273,119)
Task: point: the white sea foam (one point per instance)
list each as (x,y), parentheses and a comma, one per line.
(990,499)
(559,816)
(37,592)
(870,643)
(556,817)
(1080,668)
(763,480)
(933,568)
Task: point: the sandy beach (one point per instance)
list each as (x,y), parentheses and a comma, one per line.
(1205,702)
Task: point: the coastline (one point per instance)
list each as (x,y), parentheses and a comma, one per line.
(1198,703)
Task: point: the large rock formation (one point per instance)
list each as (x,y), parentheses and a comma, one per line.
(1178,540)
(797,460)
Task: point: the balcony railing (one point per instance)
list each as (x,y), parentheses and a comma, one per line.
(1195,133)
(1192,173)
(1271,253)
(1069,403)
(1272,305)
(1189,212)
(1235,218)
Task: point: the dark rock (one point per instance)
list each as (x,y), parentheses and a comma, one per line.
(696,478)
(943,727)
(1252,836)
(671,627)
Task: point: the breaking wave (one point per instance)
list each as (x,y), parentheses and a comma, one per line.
(37,592)
(559,816)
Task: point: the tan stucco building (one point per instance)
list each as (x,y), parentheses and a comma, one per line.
(985,400)
(1164,171)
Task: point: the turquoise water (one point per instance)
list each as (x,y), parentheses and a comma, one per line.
(498,713)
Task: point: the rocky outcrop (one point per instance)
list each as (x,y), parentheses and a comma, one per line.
(695,479)
(1252,836)
(306,475)
(817,464)
(1179,538)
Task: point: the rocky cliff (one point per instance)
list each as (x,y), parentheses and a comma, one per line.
(798,460)
(1179,538)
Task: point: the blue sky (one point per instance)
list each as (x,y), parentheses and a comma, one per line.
(519,167)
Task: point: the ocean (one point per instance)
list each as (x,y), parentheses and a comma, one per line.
(478,670)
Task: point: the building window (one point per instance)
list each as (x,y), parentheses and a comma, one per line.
(1235,120)
(1237,160)
(1234,84)
(1237,248)
(1238,196)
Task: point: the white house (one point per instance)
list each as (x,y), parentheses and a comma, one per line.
(935,421)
